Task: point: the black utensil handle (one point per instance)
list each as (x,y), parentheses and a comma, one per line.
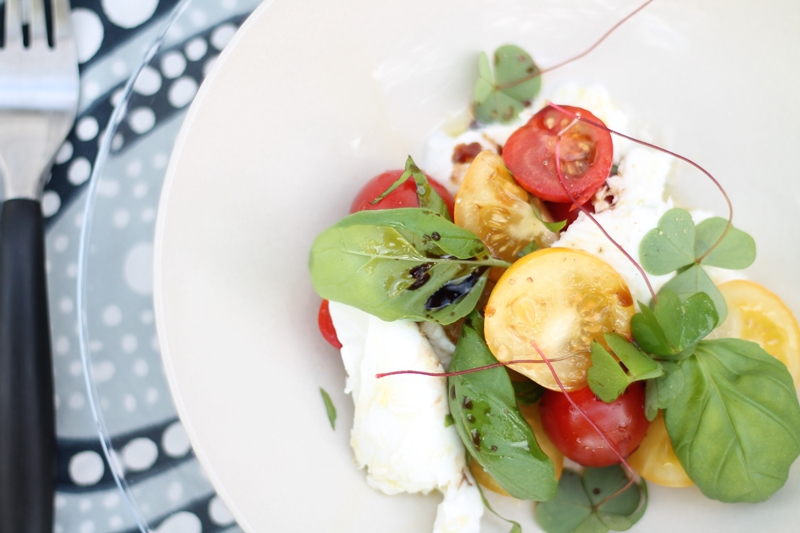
(27,410)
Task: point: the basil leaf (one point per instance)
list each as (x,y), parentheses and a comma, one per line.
(648,334)
(515,527)
(605,377)
(735,426)
(659,392)
(427,197)
(501,97)
(529,248)
(577,507)
(401,263)
(490,424)
(555,227)
(693,280)
(736,251)
(330,409)
(669,246)
(685,322)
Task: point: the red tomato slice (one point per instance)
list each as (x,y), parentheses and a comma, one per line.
(403,196)
(622,422)
(586,155)
(326,325)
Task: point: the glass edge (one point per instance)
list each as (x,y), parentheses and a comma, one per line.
(114,121)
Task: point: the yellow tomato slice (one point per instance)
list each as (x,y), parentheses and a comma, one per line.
(756,314)
(655,461)
(490,204)
(560,299)
(534,419)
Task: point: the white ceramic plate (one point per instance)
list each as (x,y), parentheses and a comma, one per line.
(313,98)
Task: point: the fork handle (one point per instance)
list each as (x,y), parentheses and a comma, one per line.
(27,410)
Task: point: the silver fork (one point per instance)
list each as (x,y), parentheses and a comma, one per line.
(38,103)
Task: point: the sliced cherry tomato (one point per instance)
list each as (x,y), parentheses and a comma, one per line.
(756,314)
(561,299)
(326,325)
(622,422)
(586,155)
(492,206)
(403,196)
(656,461)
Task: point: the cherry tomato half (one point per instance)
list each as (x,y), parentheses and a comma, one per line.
(622,422)
(403,196)
(586,155)
(326,325)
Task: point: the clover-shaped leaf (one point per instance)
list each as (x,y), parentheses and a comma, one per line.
(670,246)
(580,504)
(500,96)
(737,249)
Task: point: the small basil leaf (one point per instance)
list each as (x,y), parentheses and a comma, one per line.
(427,197)
(330,409)
(669,246)
(693,280)
(661,391)
(555,227)
(515,527)
(401,263)
(530,247)
(448,420)
(501,97)
(648,334)
(606,378)
(527,392)
(735,426)
(736,251)
(685,321)
(640,366)
(491,425)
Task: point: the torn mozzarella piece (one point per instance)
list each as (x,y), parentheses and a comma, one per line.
(399,431)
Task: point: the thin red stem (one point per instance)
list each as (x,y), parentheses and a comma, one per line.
(575,58)
(669,152)
(588,214)
(467,371)
(591,423)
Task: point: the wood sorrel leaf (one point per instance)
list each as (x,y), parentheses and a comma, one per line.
(330,409)
(578,507)
(685,322)
(735,426)
(736,251)
(693,280)
(401,263)
(491,425)
(662,390)
(501,97)
(669,246)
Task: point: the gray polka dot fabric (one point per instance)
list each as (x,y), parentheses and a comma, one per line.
(124,461)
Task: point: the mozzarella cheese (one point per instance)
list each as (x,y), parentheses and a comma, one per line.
(399,432)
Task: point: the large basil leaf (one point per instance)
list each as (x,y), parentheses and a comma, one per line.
(401,263)
(735,425)
(490,424)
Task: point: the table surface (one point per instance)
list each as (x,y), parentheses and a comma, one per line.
(167,491)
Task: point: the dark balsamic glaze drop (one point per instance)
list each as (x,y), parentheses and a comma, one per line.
(454,290)
(420,275)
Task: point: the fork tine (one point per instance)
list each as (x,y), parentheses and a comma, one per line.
(38,28)
(62,27)
(13,23)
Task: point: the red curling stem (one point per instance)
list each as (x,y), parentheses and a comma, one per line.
(589,420)
(660,149)
(586,211)
(582,54)
(467,371)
